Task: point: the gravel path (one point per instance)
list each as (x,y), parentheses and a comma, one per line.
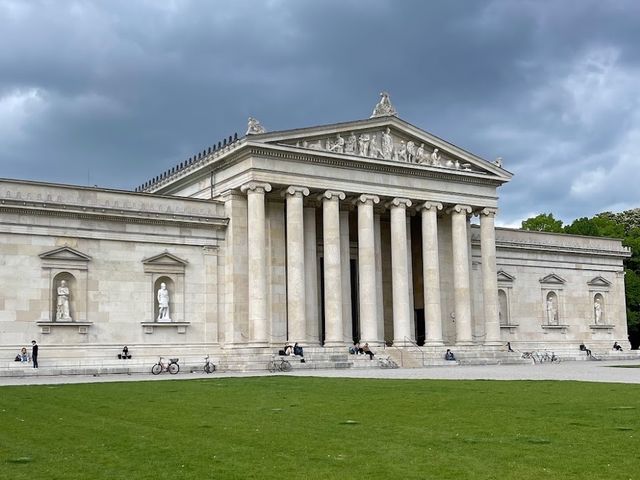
(580,371)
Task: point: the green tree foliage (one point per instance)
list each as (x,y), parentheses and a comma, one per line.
(543,223)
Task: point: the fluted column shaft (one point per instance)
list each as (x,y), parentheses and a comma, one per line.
(431,273)
(461,280)
(257,253)
(311,276)
(332,267)
(296,317)
(489,276)
(400,271)
(368,300)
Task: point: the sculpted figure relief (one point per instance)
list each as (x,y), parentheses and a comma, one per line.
(387,144)
(435,157)
(62,308)
(374,149)
(400,153)
(338,145)
(411,151)
(163,304)
(351,145)
(363,142)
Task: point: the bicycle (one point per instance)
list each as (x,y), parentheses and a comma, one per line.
(282,366)
(387,363)
(172,367)
(209,366)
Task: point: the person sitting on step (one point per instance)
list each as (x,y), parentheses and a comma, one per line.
(288,349)
(367,351)
(617,347)
(583,348)
(449,355)
(297,350)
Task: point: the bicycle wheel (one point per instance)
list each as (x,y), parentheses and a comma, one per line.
(174,368)
(156,369)
(209,367)
(285,366)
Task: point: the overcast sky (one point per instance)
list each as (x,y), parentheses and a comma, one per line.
(114,92)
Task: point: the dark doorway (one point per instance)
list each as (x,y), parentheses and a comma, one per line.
(420,327)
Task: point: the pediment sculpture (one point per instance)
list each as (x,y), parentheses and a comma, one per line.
(384,145)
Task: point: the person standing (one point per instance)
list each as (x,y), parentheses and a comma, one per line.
(34,353)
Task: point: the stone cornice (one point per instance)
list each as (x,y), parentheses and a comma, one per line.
(545,247)
(108,214)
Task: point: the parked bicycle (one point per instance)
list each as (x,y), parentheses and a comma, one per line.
(387,363)
(279,366)
(209,366)
(172,366)
(545,357)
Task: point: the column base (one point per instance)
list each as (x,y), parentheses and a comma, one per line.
(372,343)
(334,343)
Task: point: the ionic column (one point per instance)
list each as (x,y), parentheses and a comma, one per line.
(345,264)
(368,298)
(489,276)
(296,318)
(257,256)
(400,271)
(431,273)
(332,268)
(379,290)
(461,280)
(311,276)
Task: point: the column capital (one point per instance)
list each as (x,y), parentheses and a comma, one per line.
(256,187)
(429,205)
(488,212)
(331,194)
(367,199)
(466,209)
(295,190)
(398,201)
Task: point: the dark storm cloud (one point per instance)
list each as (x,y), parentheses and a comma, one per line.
(112,93)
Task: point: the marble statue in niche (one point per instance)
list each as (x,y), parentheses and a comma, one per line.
(597,311)
(163,303)
(62,304)
(254,127)
(552,311)
(363,143)
(351,145)
(387,144)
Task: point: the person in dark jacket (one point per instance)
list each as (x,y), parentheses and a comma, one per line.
(34,353)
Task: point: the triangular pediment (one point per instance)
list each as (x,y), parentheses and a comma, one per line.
(66,254)
(385,139)
(553,279)
(599,282)
(505,277)
(165,259)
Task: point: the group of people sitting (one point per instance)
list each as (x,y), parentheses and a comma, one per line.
(23,356)
(295,350)
(356,349)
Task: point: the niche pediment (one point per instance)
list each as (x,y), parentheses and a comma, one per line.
(599,281)
(504,277)
(164,262)
(553,279)
(385,139)
(65,257)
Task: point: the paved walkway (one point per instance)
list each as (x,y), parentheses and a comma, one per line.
(580,371)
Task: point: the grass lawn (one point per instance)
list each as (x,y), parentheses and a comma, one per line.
(320,428)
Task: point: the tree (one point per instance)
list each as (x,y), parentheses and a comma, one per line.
(543,223)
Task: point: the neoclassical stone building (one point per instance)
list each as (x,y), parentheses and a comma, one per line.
(324,235)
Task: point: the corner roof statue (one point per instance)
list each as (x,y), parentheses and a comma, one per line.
(254,127)
(383,107)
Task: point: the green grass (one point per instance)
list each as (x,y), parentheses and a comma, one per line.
(318,428)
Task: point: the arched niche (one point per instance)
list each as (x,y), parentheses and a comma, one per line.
(503,304)
(552,313)
(599,309)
